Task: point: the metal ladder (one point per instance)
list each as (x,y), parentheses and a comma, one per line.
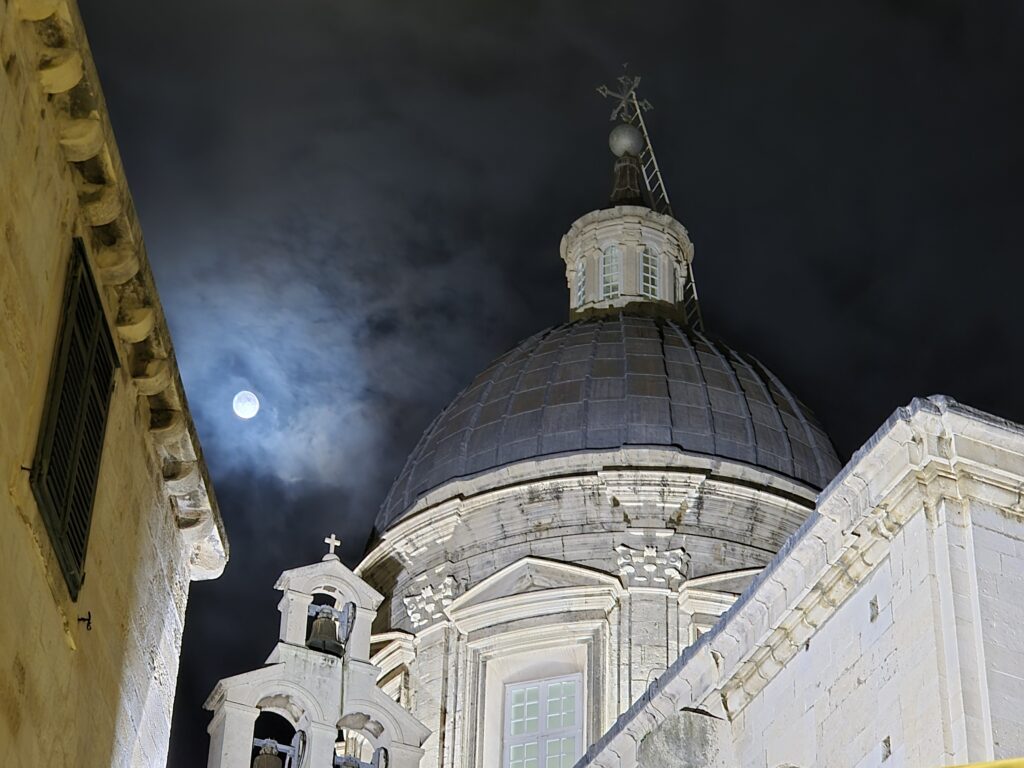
(630,109)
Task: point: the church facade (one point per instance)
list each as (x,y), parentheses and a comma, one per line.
(627,544)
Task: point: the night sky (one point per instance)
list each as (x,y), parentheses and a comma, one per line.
(351,208)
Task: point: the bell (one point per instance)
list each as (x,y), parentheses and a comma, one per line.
(324,635)
(268,757)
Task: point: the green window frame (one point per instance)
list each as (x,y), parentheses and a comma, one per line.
(70,445)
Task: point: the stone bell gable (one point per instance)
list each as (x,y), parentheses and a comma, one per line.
(321,694)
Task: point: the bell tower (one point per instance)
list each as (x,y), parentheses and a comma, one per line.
(318,682)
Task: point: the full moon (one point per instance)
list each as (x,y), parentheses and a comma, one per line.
(246,404)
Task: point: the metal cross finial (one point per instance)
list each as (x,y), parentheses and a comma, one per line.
(332,541)
(628,103)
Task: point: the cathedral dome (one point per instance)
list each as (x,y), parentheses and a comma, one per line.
(611,381)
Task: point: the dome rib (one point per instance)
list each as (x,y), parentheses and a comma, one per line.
(811,429)
(778,423)
(612,381)
(741,397)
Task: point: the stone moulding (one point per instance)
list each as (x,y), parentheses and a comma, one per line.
(434,518)
(113,240)
(932,451)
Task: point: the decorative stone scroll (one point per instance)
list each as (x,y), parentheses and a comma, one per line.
(652,567)
(428,605)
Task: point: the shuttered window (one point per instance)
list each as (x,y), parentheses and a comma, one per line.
(70,444)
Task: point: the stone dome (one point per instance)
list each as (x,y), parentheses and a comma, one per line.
(606,382)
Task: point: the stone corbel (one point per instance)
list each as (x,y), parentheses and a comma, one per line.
(182,477)
(208,557)
(648,496)
(117,264)
(81,138)
(166,426)
(135,323)
(36,10)
(154,377)
(60,70)
(101,203)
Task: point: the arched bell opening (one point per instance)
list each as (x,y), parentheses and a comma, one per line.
(353,746)
(329,622)
(319,599)
(276,742)
(359,742)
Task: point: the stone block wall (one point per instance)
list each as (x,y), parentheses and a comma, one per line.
(71,695)
(999,557)
(865,690)
(887,632)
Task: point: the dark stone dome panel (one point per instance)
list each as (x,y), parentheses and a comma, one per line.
(609,382)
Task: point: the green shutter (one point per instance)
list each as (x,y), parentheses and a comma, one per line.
(70,445)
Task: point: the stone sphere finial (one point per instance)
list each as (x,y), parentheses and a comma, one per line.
(626,139)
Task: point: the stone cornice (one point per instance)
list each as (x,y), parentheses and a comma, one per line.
(935,449)
(529,605)
(625,474)
(110,228)
(397,650)
(630,215)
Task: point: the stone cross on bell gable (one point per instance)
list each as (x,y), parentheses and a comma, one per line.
(331,541)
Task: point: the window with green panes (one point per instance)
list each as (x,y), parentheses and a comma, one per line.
(543,723)
(649,272)
(611,272)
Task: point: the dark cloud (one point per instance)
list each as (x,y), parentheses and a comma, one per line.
(351,207)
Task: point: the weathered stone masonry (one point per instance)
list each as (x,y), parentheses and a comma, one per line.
(69,695)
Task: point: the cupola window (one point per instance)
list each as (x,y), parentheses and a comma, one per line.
(611,272)
(581,283)
(649,272)
(543,727)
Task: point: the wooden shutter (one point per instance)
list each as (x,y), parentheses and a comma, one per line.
(70,445)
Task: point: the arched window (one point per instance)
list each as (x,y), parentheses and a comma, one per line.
(650,271)
(581,282)
(611,272)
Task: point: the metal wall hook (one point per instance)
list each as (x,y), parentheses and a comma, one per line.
(87,619)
